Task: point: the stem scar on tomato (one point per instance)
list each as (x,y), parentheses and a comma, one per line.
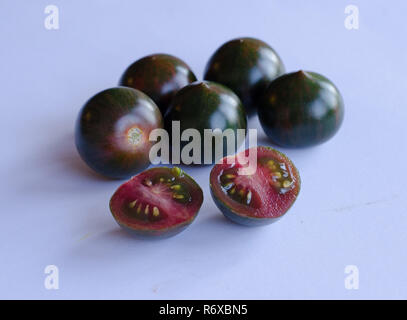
(112,132)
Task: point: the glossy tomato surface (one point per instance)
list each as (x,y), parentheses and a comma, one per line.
(204,106)
(159,76)
(112,131)
(247,66)
(301,109)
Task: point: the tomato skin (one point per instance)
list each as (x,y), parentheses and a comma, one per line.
(130,189)
(206,105)
(154,234)
(246,216)
(301,109)
(233,216)
(159,76)
(112,131)
(247,66)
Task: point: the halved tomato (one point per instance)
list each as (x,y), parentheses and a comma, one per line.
(260,197)
(157,202)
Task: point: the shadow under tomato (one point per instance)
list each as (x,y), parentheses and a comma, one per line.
(66,154)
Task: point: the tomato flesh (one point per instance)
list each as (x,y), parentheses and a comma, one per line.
(157,201)
(265,194)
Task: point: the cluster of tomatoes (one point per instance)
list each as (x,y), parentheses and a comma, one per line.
(243,77)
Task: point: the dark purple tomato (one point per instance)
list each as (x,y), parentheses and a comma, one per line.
(159,202)
(258,198)
(206,105)
(246,66)
(112,131)
(159,76)
(301,109)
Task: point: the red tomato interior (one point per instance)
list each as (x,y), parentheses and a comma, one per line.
(267,193)
(157,195)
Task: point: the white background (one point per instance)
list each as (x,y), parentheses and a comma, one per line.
(54,210)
